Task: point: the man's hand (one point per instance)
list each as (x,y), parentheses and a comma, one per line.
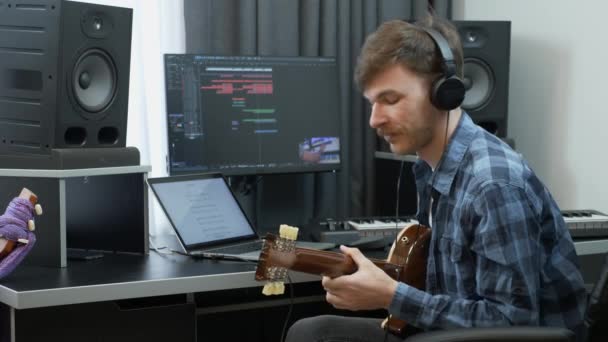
(367,289)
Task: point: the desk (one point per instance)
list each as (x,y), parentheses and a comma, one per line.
(92,299)
(41,293)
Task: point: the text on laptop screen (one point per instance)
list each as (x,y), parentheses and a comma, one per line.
(203,210)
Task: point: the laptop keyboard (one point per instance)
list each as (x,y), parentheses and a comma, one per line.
(238,249)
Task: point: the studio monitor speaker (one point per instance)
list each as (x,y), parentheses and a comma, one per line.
(487,46)
(64,76)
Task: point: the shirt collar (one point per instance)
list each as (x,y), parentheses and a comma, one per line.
(450,160)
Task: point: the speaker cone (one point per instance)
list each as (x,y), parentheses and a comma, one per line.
(479,83)
(94,80)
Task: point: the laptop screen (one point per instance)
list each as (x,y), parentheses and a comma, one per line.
(202,209)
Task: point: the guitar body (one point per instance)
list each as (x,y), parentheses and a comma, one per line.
(406,262)
(410,250)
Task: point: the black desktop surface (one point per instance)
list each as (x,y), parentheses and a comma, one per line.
(122,276)
(118,268)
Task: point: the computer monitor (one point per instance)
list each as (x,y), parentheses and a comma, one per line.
(244,115)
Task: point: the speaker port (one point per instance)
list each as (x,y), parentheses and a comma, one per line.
(75,136)
(107,136)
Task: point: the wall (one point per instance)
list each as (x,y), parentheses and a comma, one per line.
(557,91)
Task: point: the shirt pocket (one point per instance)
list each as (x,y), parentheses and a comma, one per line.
(450,250)
(456,274)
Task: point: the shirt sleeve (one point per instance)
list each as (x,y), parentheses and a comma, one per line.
(504,256)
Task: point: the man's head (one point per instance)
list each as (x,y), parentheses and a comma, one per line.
(400,42)
(396,69)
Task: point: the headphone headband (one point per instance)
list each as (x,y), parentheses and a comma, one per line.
(447,58)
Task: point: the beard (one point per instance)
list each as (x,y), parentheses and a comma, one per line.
(407,140)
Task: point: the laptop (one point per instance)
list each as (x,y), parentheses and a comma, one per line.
(207,218)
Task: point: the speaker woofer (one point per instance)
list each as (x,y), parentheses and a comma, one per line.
(94,81)
(479,83)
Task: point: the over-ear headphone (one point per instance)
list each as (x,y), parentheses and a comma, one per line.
(447,91)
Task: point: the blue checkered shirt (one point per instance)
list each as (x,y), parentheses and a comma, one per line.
(500,252)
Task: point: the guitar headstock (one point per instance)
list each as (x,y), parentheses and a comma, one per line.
(7,246)
(276,256)
(30,196)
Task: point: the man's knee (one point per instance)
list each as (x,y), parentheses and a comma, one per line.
(311,329)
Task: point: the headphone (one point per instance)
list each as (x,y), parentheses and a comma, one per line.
(447,91)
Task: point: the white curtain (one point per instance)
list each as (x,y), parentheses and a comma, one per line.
(158,28)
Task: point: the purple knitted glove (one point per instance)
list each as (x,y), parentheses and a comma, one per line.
(13,227)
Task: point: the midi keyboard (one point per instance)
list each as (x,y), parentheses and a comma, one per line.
(582,224)
(586,223)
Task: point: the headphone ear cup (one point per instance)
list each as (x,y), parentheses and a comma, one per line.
(447,93)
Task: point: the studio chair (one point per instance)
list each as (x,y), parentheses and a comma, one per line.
(596,325)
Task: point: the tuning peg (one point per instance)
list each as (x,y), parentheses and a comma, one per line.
(38,209)
(31,225)
(268,289)
(288,232)
(280,288)
(273,288)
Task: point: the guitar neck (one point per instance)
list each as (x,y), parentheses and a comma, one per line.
(333,264)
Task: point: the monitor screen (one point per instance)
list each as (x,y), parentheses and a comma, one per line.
(242,115)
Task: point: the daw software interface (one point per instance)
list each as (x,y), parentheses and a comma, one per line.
(243,115)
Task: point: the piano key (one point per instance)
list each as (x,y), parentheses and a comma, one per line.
(586,223)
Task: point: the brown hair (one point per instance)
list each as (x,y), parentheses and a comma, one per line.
(404,43)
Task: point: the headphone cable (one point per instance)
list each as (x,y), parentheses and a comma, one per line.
(396,230)
(445,144)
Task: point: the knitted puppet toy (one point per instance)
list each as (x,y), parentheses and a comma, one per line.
(16,230)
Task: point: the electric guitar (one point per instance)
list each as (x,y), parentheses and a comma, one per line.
(406,262)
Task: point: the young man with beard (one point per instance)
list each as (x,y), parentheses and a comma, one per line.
(500,253)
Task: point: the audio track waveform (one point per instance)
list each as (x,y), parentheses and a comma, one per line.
(260,121)
(238,102)
(232,86)
(240,89)
(260,111)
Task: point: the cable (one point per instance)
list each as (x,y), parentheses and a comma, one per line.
(215,256)
(158,249)
(249,185)
(396,231)
(291,303)
(398,193)
(445,144)
(441,158)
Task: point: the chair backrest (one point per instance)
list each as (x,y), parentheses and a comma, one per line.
(596,317)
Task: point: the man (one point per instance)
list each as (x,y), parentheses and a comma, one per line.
(500,253)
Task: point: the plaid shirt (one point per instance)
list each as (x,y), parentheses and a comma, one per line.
(500,253)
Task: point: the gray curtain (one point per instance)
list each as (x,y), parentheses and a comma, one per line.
(306,28)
